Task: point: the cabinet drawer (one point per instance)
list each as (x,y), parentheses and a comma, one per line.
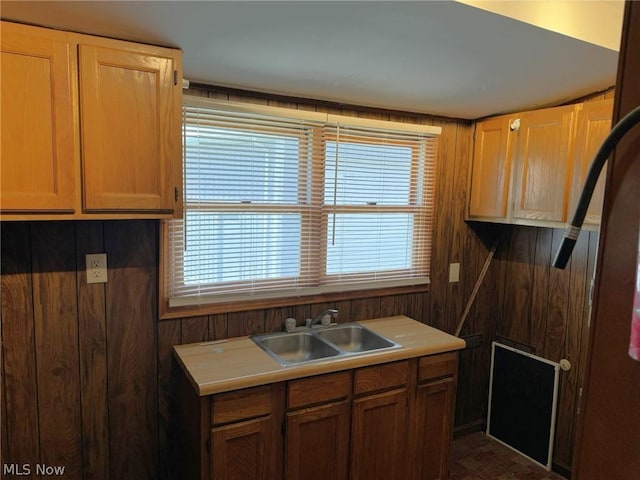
(381,377)
(437,366)
(320,389)
(241,405)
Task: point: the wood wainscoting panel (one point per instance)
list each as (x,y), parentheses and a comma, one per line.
(92,333)
(56,344)
(519,272)
(132,252)
(19,382)
(546,309)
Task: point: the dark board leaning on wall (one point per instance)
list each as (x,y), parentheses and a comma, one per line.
(522,402)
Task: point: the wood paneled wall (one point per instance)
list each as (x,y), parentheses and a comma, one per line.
(545,310)
(79,360)
(88,372)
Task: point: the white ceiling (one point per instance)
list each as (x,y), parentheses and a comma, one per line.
(438,57)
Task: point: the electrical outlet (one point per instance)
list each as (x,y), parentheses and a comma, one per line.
(96,267)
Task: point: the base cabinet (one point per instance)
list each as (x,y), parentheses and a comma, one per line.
(243,450)
(433,406)
(378,441)
(317,442)
(388,421)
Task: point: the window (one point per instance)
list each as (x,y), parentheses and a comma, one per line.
(283,202)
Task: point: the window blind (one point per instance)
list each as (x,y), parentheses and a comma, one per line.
(282,202)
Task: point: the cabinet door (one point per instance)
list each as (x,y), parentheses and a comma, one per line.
(38,132)
(378,436)
(491,172)
(592,126)
(130,139)
(317,443)
(433,424)
(543,166)
(244,450)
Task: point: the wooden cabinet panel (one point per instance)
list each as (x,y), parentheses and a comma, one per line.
(318,389)
(491,173)
(128,124)
(38,128)
(437,366)
(433,424)
(317,443)
(592,126)
(380,377)
(543,165)
(378,436)
(244,450)
(241,405)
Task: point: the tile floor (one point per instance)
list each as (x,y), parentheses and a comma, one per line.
(477,457)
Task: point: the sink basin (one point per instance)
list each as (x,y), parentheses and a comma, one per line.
(355,338)
(301,347)
(294,348)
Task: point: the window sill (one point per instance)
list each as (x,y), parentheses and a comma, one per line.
(167,312)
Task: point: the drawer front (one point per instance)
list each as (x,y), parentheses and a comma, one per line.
(381,377)
(437,366)
(320,389)
(241,405)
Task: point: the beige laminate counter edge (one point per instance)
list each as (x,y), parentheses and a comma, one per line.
(235,363)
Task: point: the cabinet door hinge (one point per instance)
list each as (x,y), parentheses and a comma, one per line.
(175,77)
(176,193)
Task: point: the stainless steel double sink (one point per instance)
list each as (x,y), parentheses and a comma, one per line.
(310,345)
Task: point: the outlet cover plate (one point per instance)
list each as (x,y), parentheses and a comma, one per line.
(96,267)
(454,272)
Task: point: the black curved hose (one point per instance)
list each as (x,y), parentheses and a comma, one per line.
(572,232)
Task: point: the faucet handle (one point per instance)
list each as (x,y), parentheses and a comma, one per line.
(290,324)
(329,317)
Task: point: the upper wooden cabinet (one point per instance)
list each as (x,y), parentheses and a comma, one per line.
(543,164)
(38,162)
(529,168)
(491,168)
(130,130)
(90,126)
(593,125)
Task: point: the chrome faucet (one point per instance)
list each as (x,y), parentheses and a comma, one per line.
(326,318)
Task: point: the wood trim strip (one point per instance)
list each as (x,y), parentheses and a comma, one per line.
(218,308)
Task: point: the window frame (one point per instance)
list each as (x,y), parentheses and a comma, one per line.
(316,210)
(412,207)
